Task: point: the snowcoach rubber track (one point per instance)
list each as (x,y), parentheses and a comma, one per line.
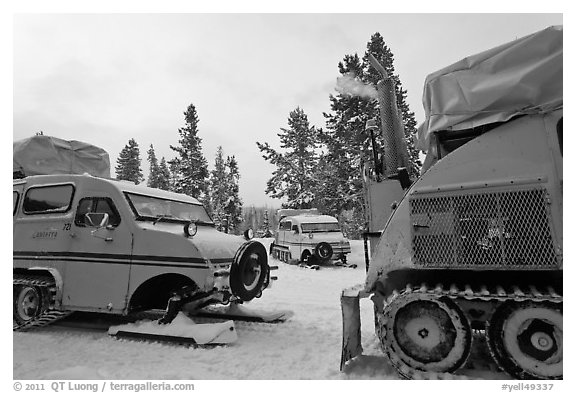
(478,293)
(48,314)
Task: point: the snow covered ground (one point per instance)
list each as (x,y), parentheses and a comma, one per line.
(305,347)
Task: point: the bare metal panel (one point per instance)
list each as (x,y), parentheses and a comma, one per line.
(488,229)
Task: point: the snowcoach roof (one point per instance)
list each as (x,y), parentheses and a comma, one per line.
(520,77)
(122,186)
(281,213)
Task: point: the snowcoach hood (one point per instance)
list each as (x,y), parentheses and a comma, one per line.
(217,245)
(211,244)
(521,77)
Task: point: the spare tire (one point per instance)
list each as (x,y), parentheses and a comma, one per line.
(323,251)
(249,271)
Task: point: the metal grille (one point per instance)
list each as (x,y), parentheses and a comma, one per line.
(496,230)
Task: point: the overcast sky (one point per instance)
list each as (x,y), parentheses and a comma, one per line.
(106,78)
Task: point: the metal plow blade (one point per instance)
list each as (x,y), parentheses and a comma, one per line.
(351,335)
(181,331)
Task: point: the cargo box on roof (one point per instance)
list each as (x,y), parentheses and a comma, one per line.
(47,155)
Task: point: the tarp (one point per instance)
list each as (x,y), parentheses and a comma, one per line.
(521,77)
(46,155)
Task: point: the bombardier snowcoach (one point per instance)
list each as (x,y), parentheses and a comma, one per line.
(90,243)
(308,237)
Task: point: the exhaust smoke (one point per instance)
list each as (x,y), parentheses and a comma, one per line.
(348,84)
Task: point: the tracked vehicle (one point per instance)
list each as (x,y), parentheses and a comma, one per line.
(471,251)
(85,242)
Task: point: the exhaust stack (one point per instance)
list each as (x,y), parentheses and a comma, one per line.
(395,159)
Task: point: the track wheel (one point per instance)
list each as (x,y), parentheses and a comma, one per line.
(29,304)
(525,339)
(424,332)
(307,258)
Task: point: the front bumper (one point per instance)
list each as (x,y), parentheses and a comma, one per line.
(221,280)
(339,250)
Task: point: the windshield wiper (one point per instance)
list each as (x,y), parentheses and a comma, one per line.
(160,217)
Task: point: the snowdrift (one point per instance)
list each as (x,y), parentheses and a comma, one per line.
(47,155)
(521,77)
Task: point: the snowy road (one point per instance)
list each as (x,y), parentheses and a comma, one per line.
(305,347)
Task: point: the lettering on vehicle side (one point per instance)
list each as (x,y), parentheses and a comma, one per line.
(45,235)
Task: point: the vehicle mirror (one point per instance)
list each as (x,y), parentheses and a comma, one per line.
(98,220)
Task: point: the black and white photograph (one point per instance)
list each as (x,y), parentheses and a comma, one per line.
(260,196)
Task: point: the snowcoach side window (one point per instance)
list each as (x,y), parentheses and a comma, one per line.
(321,227)
(286,225)
(96,205)
(15,199)
(48,199)
(295,228)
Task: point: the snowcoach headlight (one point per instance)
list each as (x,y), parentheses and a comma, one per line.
(190,229)
(248,234)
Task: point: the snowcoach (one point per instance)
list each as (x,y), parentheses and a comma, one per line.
(85,242)
(470,253)
(305,236)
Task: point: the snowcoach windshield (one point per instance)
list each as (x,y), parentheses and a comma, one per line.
(321,227)
(151,208)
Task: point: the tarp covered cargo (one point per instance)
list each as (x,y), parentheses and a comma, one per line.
(521,77)
(46,155)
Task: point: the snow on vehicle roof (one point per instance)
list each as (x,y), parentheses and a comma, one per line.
(312,218)
(154,192)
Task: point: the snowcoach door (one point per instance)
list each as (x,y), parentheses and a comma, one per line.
(284,232)
(98,270)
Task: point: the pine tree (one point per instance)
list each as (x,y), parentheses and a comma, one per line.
(153,162)
(159,174)
(128,164)
(267,232)
(340,169)
(340,191)
(218,189)
(233,205)
(190,168)
(293,177)
(225,202)
(163,178)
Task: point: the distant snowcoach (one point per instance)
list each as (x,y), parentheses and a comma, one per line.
(86,243)
(308,237)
